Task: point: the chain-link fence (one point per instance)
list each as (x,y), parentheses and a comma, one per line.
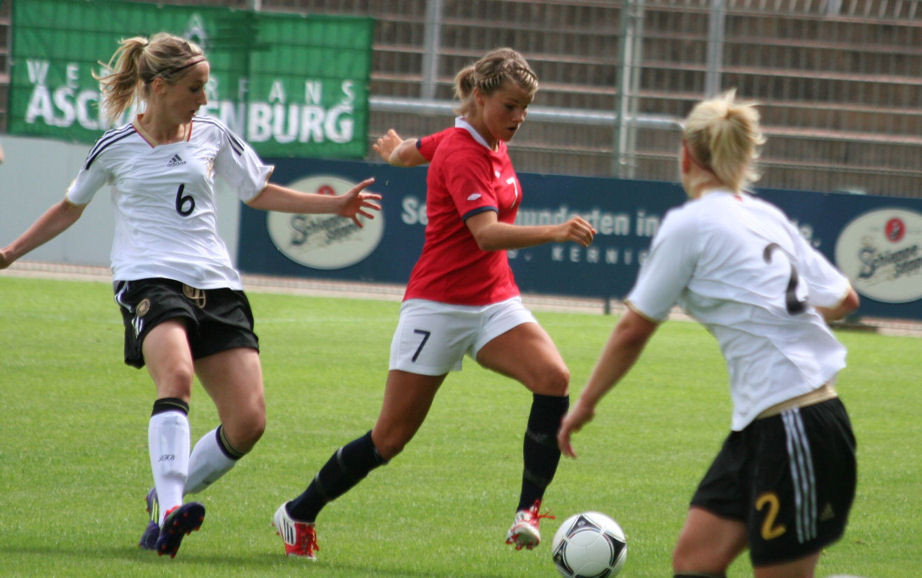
(838,80)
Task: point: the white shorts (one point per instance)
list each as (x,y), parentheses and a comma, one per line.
(432,338)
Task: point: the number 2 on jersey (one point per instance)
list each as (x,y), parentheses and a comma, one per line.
(184,204)
(791,302)
(769,502)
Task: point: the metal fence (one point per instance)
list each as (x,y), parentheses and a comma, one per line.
(838,80)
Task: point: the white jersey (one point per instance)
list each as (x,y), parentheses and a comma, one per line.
(164,197)
(737,265)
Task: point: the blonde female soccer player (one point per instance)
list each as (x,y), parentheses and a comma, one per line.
(181,300)
(783,483)
(462,300)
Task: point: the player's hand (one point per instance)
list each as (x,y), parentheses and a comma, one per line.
(578,416)
(357,202)
(577,230)
(5,260)
(386,144)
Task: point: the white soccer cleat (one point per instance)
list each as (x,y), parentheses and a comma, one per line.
(300,537)
(524,532)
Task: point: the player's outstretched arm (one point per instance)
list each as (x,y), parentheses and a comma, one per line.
(53,222)
(397,151)
(492,235)
(351,204)
(623,348)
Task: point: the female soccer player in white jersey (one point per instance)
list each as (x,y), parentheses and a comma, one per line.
(462,299)
(184,310)
(783,483)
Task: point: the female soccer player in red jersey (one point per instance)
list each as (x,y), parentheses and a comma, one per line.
(462,300)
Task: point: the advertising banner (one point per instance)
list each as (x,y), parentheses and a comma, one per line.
(626,215)
(876,241)
(291,85)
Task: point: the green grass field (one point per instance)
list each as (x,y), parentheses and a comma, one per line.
(74,468)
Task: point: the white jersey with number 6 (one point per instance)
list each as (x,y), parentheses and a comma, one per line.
(737,265)
(164,197)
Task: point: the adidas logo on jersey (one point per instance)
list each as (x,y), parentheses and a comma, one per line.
(176,161)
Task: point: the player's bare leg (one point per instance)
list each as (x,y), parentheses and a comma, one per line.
(169,362)
(527,354)
(708,544)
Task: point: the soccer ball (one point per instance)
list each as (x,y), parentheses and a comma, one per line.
(589,545)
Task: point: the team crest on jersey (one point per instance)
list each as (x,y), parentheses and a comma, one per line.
(175,161)
(142,308)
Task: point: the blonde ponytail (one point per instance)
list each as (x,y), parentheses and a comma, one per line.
(724,136)
(135,64)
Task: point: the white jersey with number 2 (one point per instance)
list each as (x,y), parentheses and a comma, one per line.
(737,265)
(164,197)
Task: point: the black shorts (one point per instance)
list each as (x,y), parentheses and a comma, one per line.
(790,478)
(216,319)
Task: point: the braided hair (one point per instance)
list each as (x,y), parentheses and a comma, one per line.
(490,73)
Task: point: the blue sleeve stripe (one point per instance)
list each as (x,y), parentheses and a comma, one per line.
(231,137)
(106,141)
(477,211)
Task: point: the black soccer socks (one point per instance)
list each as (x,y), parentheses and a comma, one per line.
(540,447)
(346,467)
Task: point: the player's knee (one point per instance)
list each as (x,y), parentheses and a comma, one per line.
(389,446)
(682,557)
(245,429)
(389,450)
(554,380)
(688,562)
(254,430)
(175,381)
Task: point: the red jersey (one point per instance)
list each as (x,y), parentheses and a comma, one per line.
(426,145)
(465,177)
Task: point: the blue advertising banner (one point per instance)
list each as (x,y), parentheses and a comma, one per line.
(876,241)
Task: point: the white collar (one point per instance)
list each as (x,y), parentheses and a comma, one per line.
(460,122)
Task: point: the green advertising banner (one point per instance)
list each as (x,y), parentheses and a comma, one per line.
(291,85)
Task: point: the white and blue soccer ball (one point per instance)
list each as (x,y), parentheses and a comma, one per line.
(589,545)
